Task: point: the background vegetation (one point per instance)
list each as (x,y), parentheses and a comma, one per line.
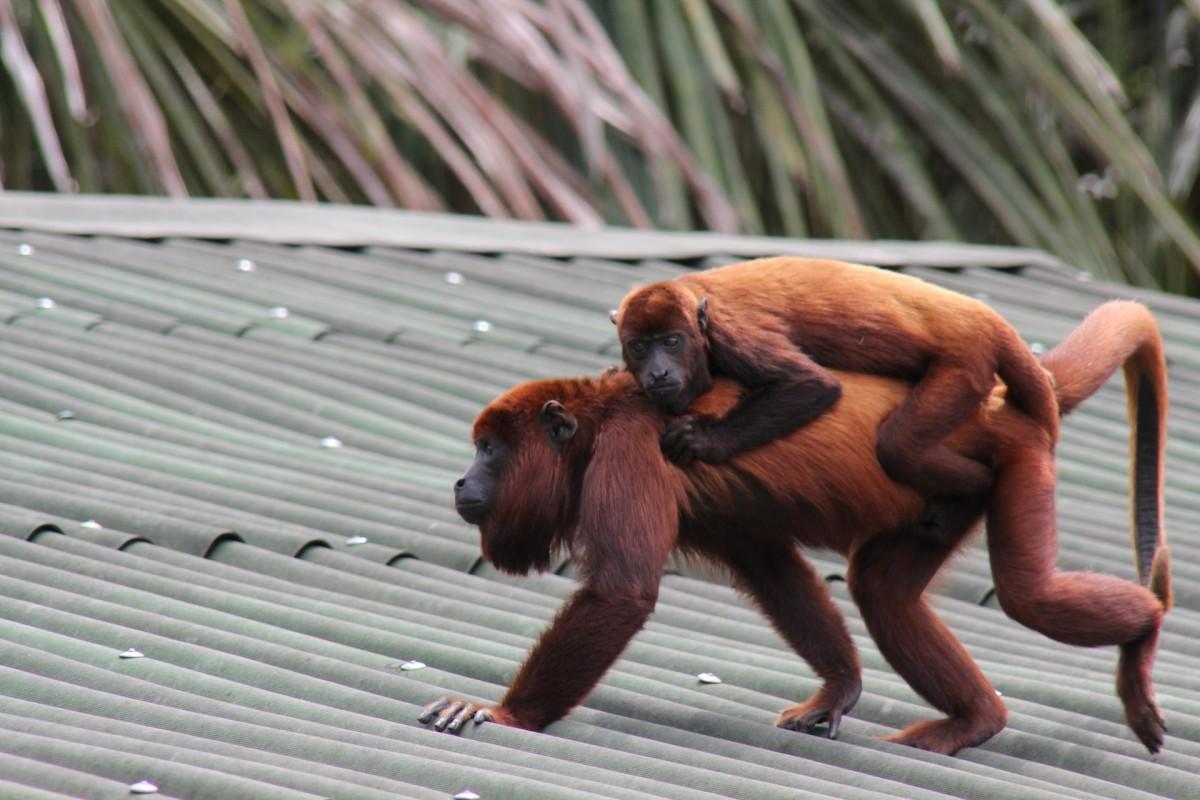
(1070,127)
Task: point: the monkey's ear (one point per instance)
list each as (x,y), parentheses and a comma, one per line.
(702,315)
(612,316)
(560,425)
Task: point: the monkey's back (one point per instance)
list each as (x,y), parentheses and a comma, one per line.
(849,316)
(821,485)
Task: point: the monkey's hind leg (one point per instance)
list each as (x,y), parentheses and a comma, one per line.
(797,602)
(888,576)
(1080,608)
(910,444)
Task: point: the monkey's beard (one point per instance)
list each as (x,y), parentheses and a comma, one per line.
(671,403)
(679,402)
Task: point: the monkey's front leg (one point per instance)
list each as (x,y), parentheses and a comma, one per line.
(585,639)
(764,414)
(785,391)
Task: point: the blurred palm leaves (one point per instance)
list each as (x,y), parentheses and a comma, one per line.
(1071,128)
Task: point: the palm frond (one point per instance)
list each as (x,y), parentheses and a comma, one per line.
(1072,128)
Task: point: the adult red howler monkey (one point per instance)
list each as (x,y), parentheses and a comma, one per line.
(776,324)
(576,464)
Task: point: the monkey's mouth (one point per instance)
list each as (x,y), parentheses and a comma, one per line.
(663,393)
(472,511)
(672,399)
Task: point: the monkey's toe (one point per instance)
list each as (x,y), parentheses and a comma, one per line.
(824,708)
(809,723)
(1148,725)
(1136,691)
(947,736)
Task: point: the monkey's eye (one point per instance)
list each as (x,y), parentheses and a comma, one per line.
(485,447)
(637,349)
(673,341)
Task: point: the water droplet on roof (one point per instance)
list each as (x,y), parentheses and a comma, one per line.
(143,787)
(1037,348)
(467,794)
(481,325)
(131,653)
(279,312)
(246,265)
(46,302)
(351,541)
(409,666)
(708,677)
(331,442)
(90,523)
(25,249)
(455,278)
(65,414)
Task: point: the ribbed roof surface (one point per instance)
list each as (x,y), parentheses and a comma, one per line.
(235,458)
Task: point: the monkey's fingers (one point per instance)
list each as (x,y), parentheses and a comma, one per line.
(431,710)
(678,429)
(469,711)
(669,442)
(681,456)
(451,715)
(677,446)
(448,714)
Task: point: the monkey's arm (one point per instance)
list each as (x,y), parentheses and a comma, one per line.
(587,637)
(570,658)
(785,389)
(628,523)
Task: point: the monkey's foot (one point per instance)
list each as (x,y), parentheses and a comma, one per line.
(948,736)
(826,706)
(1137,692)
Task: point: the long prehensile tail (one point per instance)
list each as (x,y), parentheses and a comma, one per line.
(1124,334)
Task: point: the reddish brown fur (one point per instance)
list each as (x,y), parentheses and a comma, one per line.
(773,321)
(612,500)
(1125,333)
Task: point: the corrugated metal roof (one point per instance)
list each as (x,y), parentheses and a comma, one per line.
(235,457)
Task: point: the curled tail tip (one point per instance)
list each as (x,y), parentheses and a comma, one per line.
(1160,576)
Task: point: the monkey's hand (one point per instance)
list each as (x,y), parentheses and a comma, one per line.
(451,714)
(689,438)
(826,706)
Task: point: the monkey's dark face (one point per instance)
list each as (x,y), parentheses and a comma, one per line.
(475,491)
(661,364)
(518,488)
(662,332)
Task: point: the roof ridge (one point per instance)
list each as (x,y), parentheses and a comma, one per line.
(340,225)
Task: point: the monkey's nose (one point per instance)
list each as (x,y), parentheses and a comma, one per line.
(659,377)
